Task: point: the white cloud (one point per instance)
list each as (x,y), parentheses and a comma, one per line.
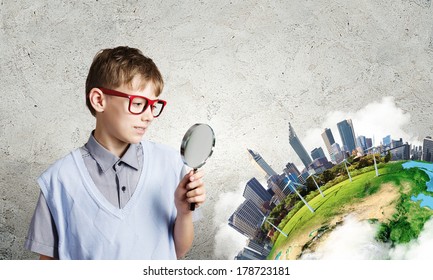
(356,240)
(228,242)
(422,248)
(353,240)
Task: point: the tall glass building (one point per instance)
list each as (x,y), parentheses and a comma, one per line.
(255,192)
(362,142)
(387,141)
(317,153)
(247,219)
(427,149)
(328,138)
(347,134)
(298,147)
(262,164)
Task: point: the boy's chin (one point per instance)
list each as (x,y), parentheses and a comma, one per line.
(136,139)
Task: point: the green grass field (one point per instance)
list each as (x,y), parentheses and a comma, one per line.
(409,214)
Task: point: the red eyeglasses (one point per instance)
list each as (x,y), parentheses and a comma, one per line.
(139,104)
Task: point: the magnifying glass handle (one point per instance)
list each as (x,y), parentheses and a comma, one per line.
(192,205)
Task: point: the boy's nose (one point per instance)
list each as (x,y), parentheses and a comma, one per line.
(147,115)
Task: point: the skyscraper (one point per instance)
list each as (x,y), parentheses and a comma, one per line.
(321,164)
(262,164)
(369,142)
(292,172)
(396,143)
(347,134)
(361,141)
(387,141)
(416,152)
(427,149)
(400,152)
(247,219)
(317,153)
(259,247)
(281,185)
(291,169)
(337,155)
(255,192)
(298,147)
(328,138)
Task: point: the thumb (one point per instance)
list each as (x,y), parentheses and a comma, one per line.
(186,179)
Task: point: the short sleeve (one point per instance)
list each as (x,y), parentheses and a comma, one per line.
(42,236)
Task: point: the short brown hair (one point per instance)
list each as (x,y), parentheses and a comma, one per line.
(112,68)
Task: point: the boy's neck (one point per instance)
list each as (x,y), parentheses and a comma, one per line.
(117,148)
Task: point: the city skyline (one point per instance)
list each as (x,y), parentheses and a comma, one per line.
(361,139)
(360,144)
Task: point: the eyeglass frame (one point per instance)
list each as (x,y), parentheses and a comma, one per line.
(131,97)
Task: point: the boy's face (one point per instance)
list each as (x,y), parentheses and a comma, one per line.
(118,125)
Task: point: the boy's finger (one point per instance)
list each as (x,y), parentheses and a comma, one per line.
(197,199)
(197,175)
(195,184)
(195,192)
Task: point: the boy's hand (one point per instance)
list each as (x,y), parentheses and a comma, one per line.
(190,190)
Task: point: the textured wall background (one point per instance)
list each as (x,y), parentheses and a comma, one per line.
(244,67)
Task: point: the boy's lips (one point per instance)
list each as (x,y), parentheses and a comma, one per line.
(140,129)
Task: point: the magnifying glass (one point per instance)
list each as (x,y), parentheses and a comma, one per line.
(197,146)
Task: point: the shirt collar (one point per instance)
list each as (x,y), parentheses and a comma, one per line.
(131,156)
(106,159)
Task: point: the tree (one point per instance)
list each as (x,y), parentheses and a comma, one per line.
(387,157)
(327,176)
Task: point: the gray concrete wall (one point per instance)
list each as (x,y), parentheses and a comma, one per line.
(245,67)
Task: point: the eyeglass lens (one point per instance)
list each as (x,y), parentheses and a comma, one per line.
(139,105)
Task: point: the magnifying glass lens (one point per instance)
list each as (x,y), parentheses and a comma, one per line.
(197,146)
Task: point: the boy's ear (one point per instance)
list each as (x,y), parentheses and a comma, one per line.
(97,99)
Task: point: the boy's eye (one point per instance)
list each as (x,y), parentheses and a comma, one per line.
(139,102)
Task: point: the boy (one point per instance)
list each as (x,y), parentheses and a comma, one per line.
(113,197)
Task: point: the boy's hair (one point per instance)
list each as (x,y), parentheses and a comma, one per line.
(115,67)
